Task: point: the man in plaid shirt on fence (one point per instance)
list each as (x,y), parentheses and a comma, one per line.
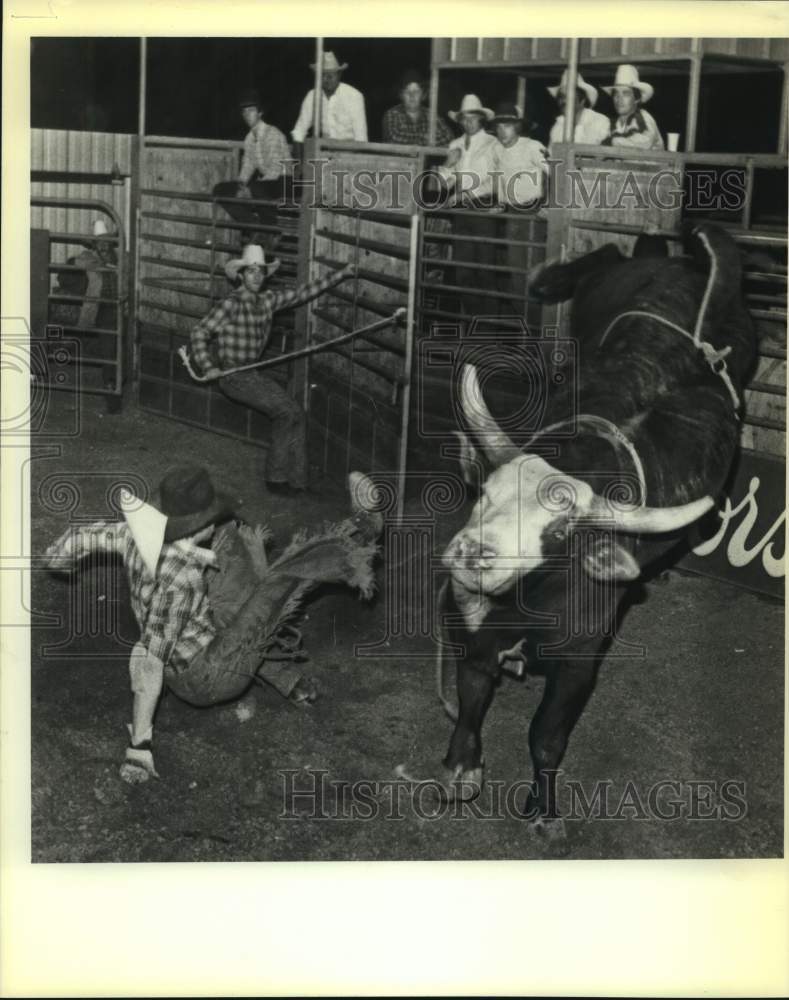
(235,333)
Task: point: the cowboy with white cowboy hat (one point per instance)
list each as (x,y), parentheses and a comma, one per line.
(342,106)
(252,255)
(633,126)
(471,105)
(591,128)
(235,333)
(208,604)
(467,173)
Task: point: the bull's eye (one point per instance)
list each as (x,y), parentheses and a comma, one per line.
(558,535)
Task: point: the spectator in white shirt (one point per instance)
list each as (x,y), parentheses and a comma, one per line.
(591,128)
(520,169)
(342,107)
(265,171)
(633,125)
(467,173)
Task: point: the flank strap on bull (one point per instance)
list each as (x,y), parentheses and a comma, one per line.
(715,358)
(292,355)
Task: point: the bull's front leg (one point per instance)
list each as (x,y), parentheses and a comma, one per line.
(568,686)
(464,760)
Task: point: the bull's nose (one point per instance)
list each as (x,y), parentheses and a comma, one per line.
(473,553)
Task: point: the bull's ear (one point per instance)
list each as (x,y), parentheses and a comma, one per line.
(605,559)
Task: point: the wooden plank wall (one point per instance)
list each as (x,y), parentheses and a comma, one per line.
(521,50)
(78,152)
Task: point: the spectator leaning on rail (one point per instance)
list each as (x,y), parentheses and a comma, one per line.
(591,128)
(407,123)
(633,126)
(235,333)
(467,173)
(519,169)
(267,159)
(342,108)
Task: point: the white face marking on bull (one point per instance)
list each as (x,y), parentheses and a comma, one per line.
(504,536)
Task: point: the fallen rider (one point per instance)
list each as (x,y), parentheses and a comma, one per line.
(213,615)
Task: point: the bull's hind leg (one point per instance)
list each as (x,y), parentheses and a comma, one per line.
(568,686)
(464,758)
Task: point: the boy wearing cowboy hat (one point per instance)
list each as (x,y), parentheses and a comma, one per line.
(591,128)
(235,333)
(520,168)
(633,125)
(206,601)
(519,165)
(267,159)
(342,106)
(467,173)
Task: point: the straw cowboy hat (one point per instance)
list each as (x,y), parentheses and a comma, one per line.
(252,255)
(471,105)
(587,88)
(100,232)
(330,63)
(627,76)
(506,111)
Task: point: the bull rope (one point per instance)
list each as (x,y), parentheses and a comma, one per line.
(713,357)
(292,355)
(448,707)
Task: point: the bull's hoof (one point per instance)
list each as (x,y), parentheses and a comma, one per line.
(549,828)
(461,785)
(451,785)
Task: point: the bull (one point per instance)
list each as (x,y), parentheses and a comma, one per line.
(566,523)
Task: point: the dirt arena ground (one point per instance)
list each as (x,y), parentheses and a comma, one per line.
(263,780)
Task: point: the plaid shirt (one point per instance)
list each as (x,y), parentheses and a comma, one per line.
(399,128)
(266,151)
(241,323)
(172,610)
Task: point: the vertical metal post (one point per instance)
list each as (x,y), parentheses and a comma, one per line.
(694,91)
(747,207)
(405,416)
(782,136)
(432,112)
(317,94)
(520,93)
(138,163)
(572,86)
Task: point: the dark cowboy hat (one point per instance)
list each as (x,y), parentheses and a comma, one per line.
(250,98)
(187,497)
(506,111)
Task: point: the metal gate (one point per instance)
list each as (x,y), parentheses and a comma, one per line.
(184,238)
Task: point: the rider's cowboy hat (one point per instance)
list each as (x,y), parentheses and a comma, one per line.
(252,255)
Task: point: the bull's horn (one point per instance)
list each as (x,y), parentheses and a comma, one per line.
(654,520)
(495,443)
